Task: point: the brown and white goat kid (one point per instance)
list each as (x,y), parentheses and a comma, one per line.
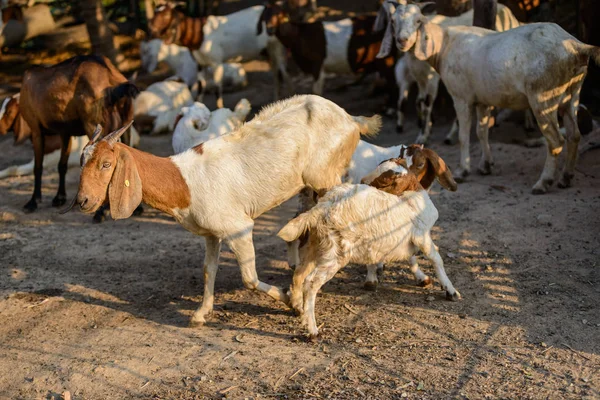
(217,188)
(70,99)
(427,166)
(364,225)
(347,46)
(538,66)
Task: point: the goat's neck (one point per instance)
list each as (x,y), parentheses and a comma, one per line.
(288,34)
(163,186)
(438,35)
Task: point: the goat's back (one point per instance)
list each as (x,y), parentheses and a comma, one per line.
(66,95)
(503,68)
(371,226)
(301,141)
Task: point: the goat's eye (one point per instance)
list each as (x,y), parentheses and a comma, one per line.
(106,165)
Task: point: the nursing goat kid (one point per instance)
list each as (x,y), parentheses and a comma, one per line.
(197,124)
(364,225)
(537,65)
(218,188)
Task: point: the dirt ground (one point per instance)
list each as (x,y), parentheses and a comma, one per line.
(101,311)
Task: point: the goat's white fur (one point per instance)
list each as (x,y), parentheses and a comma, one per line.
(304,141)
(163,101)
(233,38)
(363,225)
(179,58)
(198,124)
(538,65)
(411,70)
(234,77)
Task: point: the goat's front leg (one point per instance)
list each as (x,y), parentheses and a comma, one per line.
(429,249)
(425,108)
(218,78)
(243,248)
(65,151)
(371,282)
(319,83)
(483,128)
(463,114)
(38,167)
(211,264)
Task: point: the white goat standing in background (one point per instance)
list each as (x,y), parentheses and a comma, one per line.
(197,124)
(537,65)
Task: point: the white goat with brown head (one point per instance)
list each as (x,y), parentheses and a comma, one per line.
(216,189)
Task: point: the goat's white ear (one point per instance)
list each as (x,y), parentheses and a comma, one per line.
(424,43)
(125,188)
(387,42)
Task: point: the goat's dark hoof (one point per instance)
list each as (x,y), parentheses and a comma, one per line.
(59,200)
(399,129)
(426,282)
(313,338)
(565,182)
(370,286)
(453,297)
(448,142)
(99,217)
(30,207)
(460,175)
(196,324)
(138,211)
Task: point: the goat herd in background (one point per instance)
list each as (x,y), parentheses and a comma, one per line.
(373,205)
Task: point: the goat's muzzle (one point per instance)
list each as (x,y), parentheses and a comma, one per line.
(71,205)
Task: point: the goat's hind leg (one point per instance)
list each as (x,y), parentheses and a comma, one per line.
(572,130)
(38,148)
(313,283)
(243,248)
(546,116)
(429,249)
(483,129)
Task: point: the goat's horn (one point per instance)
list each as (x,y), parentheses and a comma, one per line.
(97,133)
(114,136)
(66,210)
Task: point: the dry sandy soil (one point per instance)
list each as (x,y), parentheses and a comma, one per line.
(101,311)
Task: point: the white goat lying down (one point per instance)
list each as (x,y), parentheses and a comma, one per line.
(197,124)
(537,65)
(410,70)
(160,104)
(364,225)
(218,188)
(179,58)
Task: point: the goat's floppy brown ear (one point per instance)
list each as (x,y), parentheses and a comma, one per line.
(424,42)
(125,188)
(437,168)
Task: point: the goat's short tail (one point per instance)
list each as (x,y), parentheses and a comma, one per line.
(242,109)
(116,93)
(369,126)
(303,222)
(591,51)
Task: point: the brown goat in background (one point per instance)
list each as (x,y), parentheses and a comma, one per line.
(70,99)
